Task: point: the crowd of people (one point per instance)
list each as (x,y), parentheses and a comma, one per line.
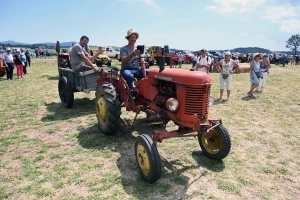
(259,69)
(20,59)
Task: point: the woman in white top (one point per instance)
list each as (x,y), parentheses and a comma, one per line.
(264,69)
(227,68)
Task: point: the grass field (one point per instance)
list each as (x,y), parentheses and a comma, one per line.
(50,152)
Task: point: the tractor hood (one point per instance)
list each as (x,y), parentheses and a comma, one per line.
(180,76)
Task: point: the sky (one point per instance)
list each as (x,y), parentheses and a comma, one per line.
(181,24)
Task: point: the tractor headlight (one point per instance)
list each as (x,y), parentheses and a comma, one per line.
(172,104)
(211,101)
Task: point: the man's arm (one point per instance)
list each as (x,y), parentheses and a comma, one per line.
(92,58)
(88,62)
(127,58)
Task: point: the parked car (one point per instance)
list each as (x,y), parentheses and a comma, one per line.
(102,59)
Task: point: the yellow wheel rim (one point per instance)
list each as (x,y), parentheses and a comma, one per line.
(214,144)
(101,108)
(143,159)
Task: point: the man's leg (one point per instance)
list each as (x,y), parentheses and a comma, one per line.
(139,73)
(25,68)
(128,76)
(8,71)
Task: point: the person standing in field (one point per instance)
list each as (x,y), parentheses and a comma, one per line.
(28,54)
(194,60)
(37,53)
(23,59)
(226,67)
(254,67)
(9,60)
(264,68)
(204,62)
(180,59)
(18,63)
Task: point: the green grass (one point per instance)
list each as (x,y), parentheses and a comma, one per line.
(48,151)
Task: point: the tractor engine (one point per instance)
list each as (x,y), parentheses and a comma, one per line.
(166,91)
(182,95)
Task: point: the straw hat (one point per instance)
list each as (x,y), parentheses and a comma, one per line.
(130,32)
(256,54)
(227,53)
(8,49)
(265,55)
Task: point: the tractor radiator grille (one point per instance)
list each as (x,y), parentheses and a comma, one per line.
(197,100)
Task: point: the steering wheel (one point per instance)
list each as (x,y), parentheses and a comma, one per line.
(138,59)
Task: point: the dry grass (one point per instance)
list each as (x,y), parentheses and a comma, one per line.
(50,152)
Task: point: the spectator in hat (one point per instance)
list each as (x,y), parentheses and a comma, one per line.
(19,64)
(226,67)
(264,69)
(9,60)
(254,67)
(203,62)
(131,57)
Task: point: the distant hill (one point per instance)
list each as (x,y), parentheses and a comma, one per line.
(49,44)
(251,50)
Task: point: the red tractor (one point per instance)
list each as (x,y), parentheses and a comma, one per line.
(165,95)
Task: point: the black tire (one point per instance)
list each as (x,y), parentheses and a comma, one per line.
(108,108)
(147,158)
(66,93)
(109,64)
(218,147)
(2,74)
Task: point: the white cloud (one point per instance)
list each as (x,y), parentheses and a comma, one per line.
(235,6)
(287,16)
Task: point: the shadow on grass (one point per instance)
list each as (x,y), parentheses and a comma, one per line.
(51,77)
(56,111)
(173,178)
(247,98)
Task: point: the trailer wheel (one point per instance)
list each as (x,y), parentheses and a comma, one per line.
(2,74)
(108,108)
(65,91)
(147,158)
(218,146)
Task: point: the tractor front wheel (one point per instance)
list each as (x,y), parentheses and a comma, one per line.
(108,108)
(218,145)
(147,158)
(65,91)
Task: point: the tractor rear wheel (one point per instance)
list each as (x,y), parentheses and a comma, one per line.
(218,146)
(147,158)
(65,91)
(108,108)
